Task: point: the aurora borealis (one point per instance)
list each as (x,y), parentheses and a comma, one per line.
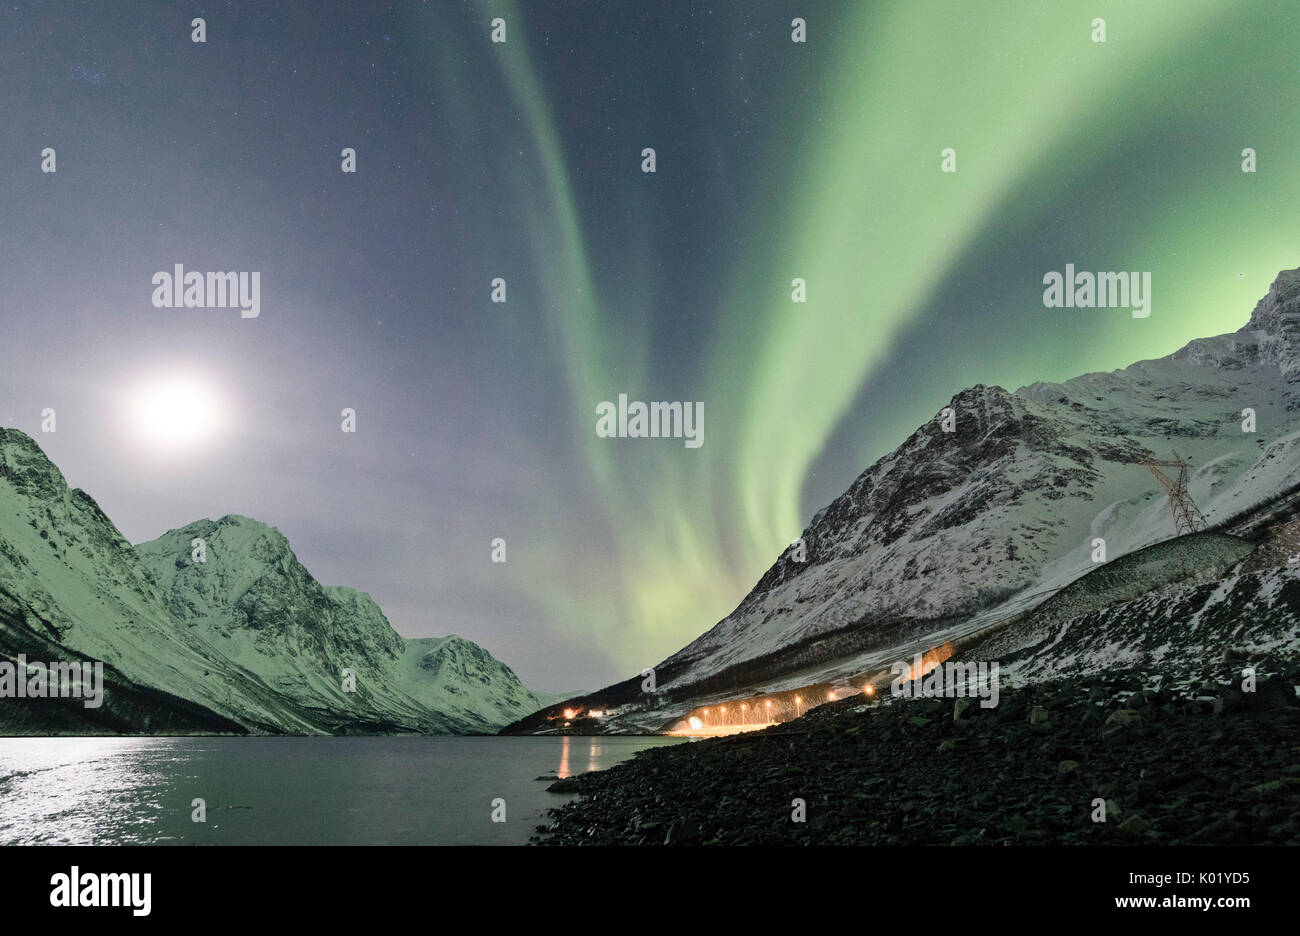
(522,160)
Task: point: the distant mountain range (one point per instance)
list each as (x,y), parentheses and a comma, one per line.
(954,531)
(245,641)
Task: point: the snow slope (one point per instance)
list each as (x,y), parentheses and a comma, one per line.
(1249,613)
(255,604)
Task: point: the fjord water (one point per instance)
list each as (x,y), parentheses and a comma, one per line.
(290,791)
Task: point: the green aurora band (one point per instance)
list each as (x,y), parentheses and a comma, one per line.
(1118,155)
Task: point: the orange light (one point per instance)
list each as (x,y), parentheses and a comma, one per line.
(871,690)
(568,713)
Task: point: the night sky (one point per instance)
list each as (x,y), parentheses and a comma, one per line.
(522,160)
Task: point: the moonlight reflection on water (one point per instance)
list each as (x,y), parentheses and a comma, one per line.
(281,791)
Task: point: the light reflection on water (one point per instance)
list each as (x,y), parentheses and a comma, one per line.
(288,790)
(83,790)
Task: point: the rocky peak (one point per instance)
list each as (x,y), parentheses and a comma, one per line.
(465,656)
(251,581)
(231,543)
(1281,305)
(1276,322)
(24,465)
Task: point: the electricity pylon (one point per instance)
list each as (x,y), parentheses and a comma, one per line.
(1187,516)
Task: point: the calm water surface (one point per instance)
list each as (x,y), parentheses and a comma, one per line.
(289,791)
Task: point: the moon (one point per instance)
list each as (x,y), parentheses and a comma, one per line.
(175,413)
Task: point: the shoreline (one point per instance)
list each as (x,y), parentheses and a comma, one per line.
(1205,765)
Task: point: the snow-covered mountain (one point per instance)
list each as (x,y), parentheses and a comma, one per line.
(957,527)
(255,604)
(246,639)
(953,523)
(456,676)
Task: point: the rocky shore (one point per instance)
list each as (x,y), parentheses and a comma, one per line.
(1175,761)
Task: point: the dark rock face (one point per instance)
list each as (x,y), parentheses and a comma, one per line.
(1278,316)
